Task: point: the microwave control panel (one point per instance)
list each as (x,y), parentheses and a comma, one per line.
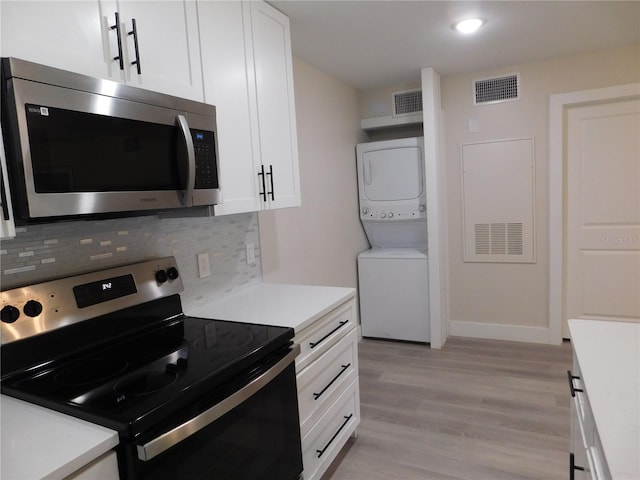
(204,144)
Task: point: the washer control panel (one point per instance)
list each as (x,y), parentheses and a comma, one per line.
(398,212)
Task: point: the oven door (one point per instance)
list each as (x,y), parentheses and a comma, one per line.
(253,433)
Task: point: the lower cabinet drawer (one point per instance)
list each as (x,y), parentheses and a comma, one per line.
(325,379)
(321,445)
(319,337)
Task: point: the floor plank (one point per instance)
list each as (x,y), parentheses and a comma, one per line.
(476,409)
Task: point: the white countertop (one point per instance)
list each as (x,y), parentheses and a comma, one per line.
(38,443)
(609,357)
(295,306)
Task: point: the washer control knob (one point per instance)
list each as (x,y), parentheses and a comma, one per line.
(172,273)
(383,215)
(423,208)
(365,210)
(9,314)
(32,308)
(161,276)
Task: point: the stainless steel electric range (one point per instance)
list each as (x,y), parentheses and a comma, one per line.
(189,397)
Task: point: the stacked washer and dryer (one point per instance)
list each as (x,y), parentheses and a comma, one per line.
(393,276)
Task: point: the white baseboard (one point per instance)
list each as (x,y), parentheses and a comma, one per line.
(496,331)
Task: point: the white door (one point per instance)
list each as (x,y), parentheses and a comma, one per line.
(603,212)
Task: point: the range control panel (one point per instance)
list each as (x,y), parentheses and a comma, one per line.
(42,307)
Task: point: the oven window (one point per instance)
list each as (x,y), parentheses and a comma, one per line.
(259,439)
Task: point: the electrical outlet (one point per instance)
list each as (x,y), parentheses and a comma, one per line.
(204,268)
(251,254)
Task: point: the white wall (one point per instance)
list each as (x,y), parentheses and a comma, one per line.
(317,243)
(511,300)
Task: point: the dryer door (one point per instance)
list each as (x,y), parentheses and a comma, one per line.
(392,174)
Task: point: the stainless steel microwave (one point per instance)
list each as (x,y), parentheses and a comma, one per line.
(79,146)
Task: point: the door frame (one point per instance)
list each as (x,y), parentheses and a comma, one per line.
(558,105)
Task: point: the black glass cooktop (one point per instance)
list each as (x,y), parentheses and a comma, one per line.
(134,381)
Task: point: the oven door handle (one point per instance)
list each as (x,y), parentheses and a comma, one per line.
(165,441)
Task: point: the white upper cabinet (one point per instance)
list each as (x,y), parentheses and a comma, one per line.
(82,36)
(67,35)
(226,85)
(161,38)
(276,141)
(248,76)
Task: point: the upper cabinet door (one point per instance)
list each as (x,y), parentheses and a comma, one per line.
(68,35)
(274,97)
(164,44)
(226,85)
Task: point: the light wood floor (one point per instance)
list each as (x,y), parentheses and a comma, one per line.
(476,409)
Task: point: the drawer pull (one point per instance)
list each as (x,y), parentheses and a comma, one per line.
(573,467)
(573,389)
(315,344)
(316,396)
(344,424)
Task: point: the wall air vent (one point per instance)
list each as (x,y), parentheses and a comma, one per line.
(496,89)
(407,102)
(498,238)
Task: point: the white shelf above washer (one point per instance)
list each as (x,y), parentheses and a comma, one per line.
(389,121)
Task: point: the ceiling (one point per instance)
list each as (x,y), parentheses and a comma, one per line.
(383,43)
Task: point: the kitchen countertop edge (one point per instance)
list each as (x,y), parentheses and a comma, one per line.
(40,443)
(283,305)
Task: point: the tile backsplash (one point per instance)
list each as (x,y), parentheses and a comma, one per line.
(43,252)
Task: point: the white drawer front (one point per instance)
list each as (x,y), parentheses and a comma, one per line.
(321,445)
(324,333)
(325,379)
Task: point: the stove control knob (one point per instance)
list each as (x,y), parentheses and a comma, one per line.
(172,273)
(161,276)
(383,215)
(182,363)
(423,208)
(32,308)
(365,210)
(9,314)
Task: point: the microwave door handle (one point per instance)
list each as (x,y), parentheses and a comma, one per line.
(165,441)
(187,194)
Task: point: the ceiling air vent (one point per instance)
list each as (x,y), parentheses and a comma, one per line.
(496,89)
(407,102)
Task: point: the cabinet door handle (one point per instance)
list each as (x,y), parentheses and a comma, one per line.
(344,424)
(316,396)
(263,193)
(572,389)
(315,344)
(134,32)
(573,467)
(271,179)
(117,29)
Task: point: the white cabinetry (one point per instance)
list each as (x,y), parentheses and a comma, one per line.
(103,468)
(328,387)
(248,75)
(82,37)
(605,387)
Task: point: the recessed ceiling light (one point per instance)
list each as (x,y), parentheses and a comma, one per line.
(469,25)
